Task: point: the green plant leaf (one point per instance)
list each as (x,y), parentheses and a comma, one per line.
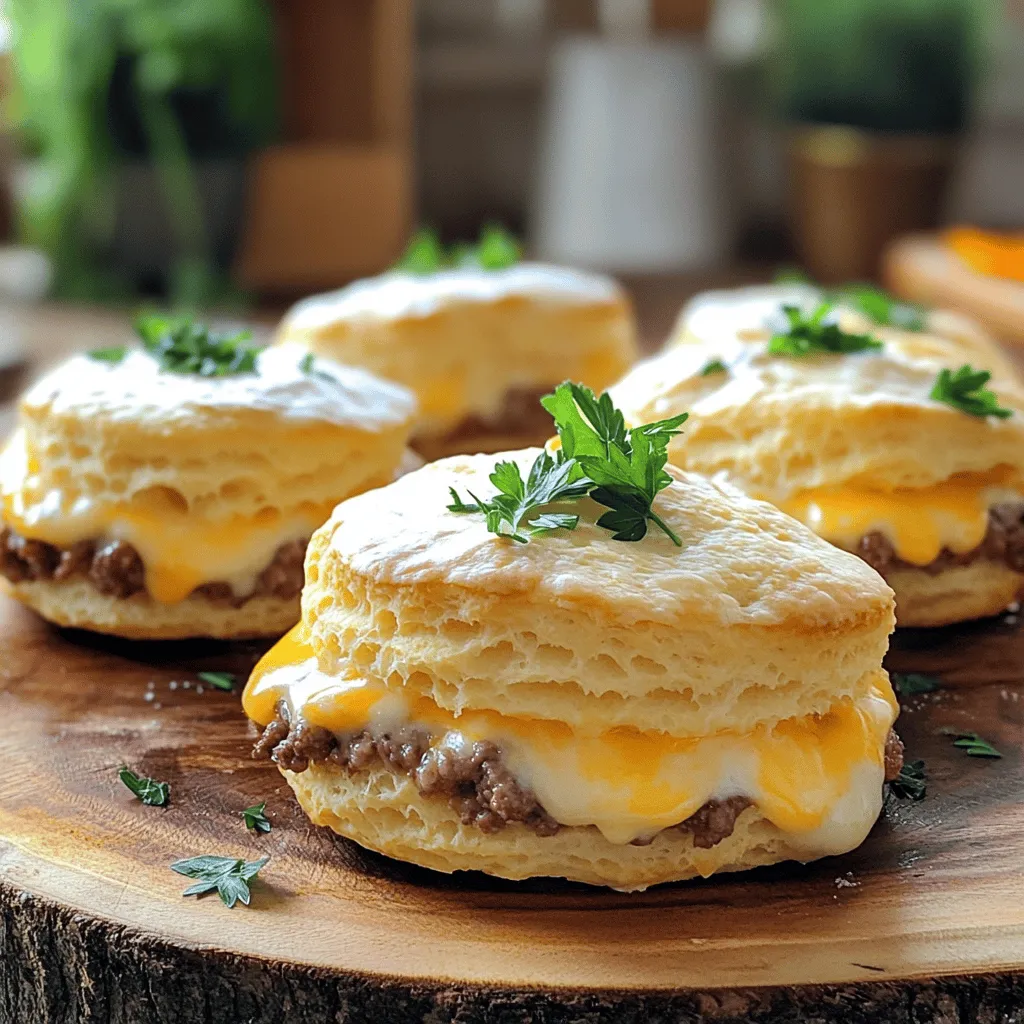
(149,791)
(230,877)
(255,818)
(964,389)
(219,680)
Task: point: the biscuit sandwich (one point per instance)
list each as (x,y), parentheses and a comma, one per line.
(626,683)
(747,312)
(478,342)
(903,446)
(170,490)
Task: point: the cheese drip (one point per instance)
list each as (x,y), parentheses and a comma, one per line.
(819,777)
(180,551)
(919,522)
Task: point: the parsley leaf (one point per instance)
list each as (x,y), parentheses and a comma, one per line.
(621,469)
(551,479)
(810,333)
(149,791)
(220,680)
(424,254)
(911,783)
(965,390)
(713,366)
(973,745)
(496,249)
(881,307)
(912,683)
(255,819)
(181,345)
(229,877)
(115,354)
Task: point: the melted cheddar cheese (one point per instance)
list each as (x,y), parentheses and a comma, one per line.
(818,777)
(919,522)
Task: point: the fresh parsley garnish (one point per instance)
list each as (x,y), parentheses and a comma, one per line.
(149,791)
(965,390)
(874,303)
(229,877)
(424,254)
(713,366)
(115,354)
(551,479)
(220,680)
(496,249)
(810,333)
(911,783)
(973,745)
(255,819)
(912,683)
(181,345)
(881,307)
(621,469)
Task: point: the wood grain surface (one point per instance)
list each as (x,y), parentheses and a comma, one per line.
(924,923)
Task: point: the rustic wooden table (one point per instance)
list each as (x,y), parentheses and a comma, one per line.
(924,923)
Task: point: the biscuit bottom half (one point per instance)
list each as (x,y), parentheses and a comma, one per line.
(383,811)
(949,552)
(623,808)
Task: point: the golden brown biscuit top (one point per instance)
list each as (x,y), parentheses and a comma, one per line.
(742,562)
(776,425)
(136,390)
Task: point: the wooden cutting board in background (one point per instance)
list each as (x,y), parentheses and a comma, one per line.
(924,923)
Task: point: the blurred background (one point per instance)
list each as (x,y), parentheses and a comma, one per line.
(238,154)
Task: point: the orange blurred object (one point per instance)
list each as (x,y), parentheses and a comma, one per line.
(997,255)
(933,271)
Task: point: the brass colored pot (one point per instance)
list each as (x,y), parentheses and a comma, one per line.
(851,192)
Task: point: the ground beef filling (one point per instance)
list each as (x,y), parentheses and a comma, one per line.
(475,781)
(1003,542)
(115,568)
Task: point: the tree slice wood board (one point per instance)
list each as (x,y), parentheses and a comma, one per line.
(924,923)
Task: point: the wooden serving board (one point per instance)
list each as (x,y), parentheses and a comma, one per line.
(924,923)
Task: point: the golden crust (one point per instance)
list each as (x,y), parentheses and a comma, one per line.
(957,594)
(775,426)
(464,340)
(384,812)
(753,619)
(77,604)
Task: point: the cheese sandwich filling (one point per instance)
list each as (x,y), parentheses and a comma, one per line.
(920,523)
(817,778)
(180,551)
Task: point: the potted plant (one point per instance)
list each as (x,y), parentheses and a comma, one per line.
(135,117)
(878,94)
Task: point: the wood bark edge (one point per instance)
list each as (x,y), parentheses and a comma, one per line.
(61,967)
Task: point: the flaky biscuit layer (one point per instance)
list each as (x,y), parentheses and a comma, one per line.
(463,339)
(107,435)
(77,604)
(776,425)
(753,620)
